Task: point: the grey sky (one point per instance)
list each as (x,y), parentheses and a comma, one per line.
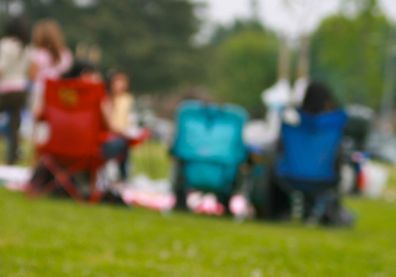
(290,21)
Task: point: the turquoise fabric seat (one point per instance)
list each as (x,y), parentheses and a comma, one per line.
(209,143)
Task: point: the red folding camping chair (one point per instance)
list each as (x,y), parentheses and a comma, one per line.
(73,114)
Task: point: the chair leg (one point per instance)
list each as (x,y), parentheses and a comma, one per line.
(95,194)
(69,186)
(178,186)
(297,201)
(63,179)
(321,204)
(40,181)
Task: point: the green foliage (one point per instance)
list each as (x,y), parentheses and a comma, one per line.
(222,32)
(152,159)
(244,65)
(150,39)
(349,54)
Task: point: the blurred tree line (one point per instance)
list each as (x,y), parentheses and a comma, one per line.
(244,63)
(150,39)
(350,53)
(154,40)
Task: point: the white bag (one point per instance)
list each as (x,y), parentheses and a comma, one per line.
(375,180)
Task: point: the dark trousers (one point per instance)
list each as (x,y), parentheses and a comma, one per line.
(118,148)
(321,199)
(12,103)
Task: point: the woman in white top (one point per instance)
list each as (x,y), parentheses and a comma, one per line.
(50,59)
(13,79)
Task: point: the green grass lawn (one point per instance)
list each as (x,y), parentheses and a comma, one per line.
(51,237)
(48,237)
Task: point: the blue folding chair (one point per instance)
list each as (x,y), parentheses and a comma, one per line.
(307,165)
(208,148)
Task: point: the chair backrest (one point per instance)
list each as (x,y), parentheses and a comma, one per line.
(209,138)
(73,114)
(310,149)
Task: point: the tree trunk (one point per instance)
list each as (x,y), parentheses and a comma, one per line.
(303,58)
(284,60)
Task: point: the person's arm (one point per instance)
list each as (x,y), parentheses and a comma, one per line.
(33,71)
(106,112)
(66,62)
(3,61)
(37,104)
(123,116)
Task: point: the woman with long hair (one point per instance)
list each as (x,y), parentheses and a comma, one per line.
(50,58)
(319,99)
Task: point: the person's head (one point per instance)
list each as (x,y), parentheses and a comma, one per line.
(85,70)
(318,98)
(119,83)
(91,76)
(48,35)
(18,28)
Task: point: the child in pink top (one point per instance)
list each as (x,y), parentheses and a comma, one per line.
(50,59)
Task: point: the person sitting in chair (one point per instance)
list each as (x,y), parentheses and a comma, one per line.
(310,152)
(115,110)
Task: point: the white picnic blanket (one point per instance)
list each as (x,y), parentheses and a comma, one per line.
(148,193)
(14,177)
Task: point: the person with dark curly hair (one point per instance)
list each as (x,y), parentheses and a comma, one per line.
(310,153)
